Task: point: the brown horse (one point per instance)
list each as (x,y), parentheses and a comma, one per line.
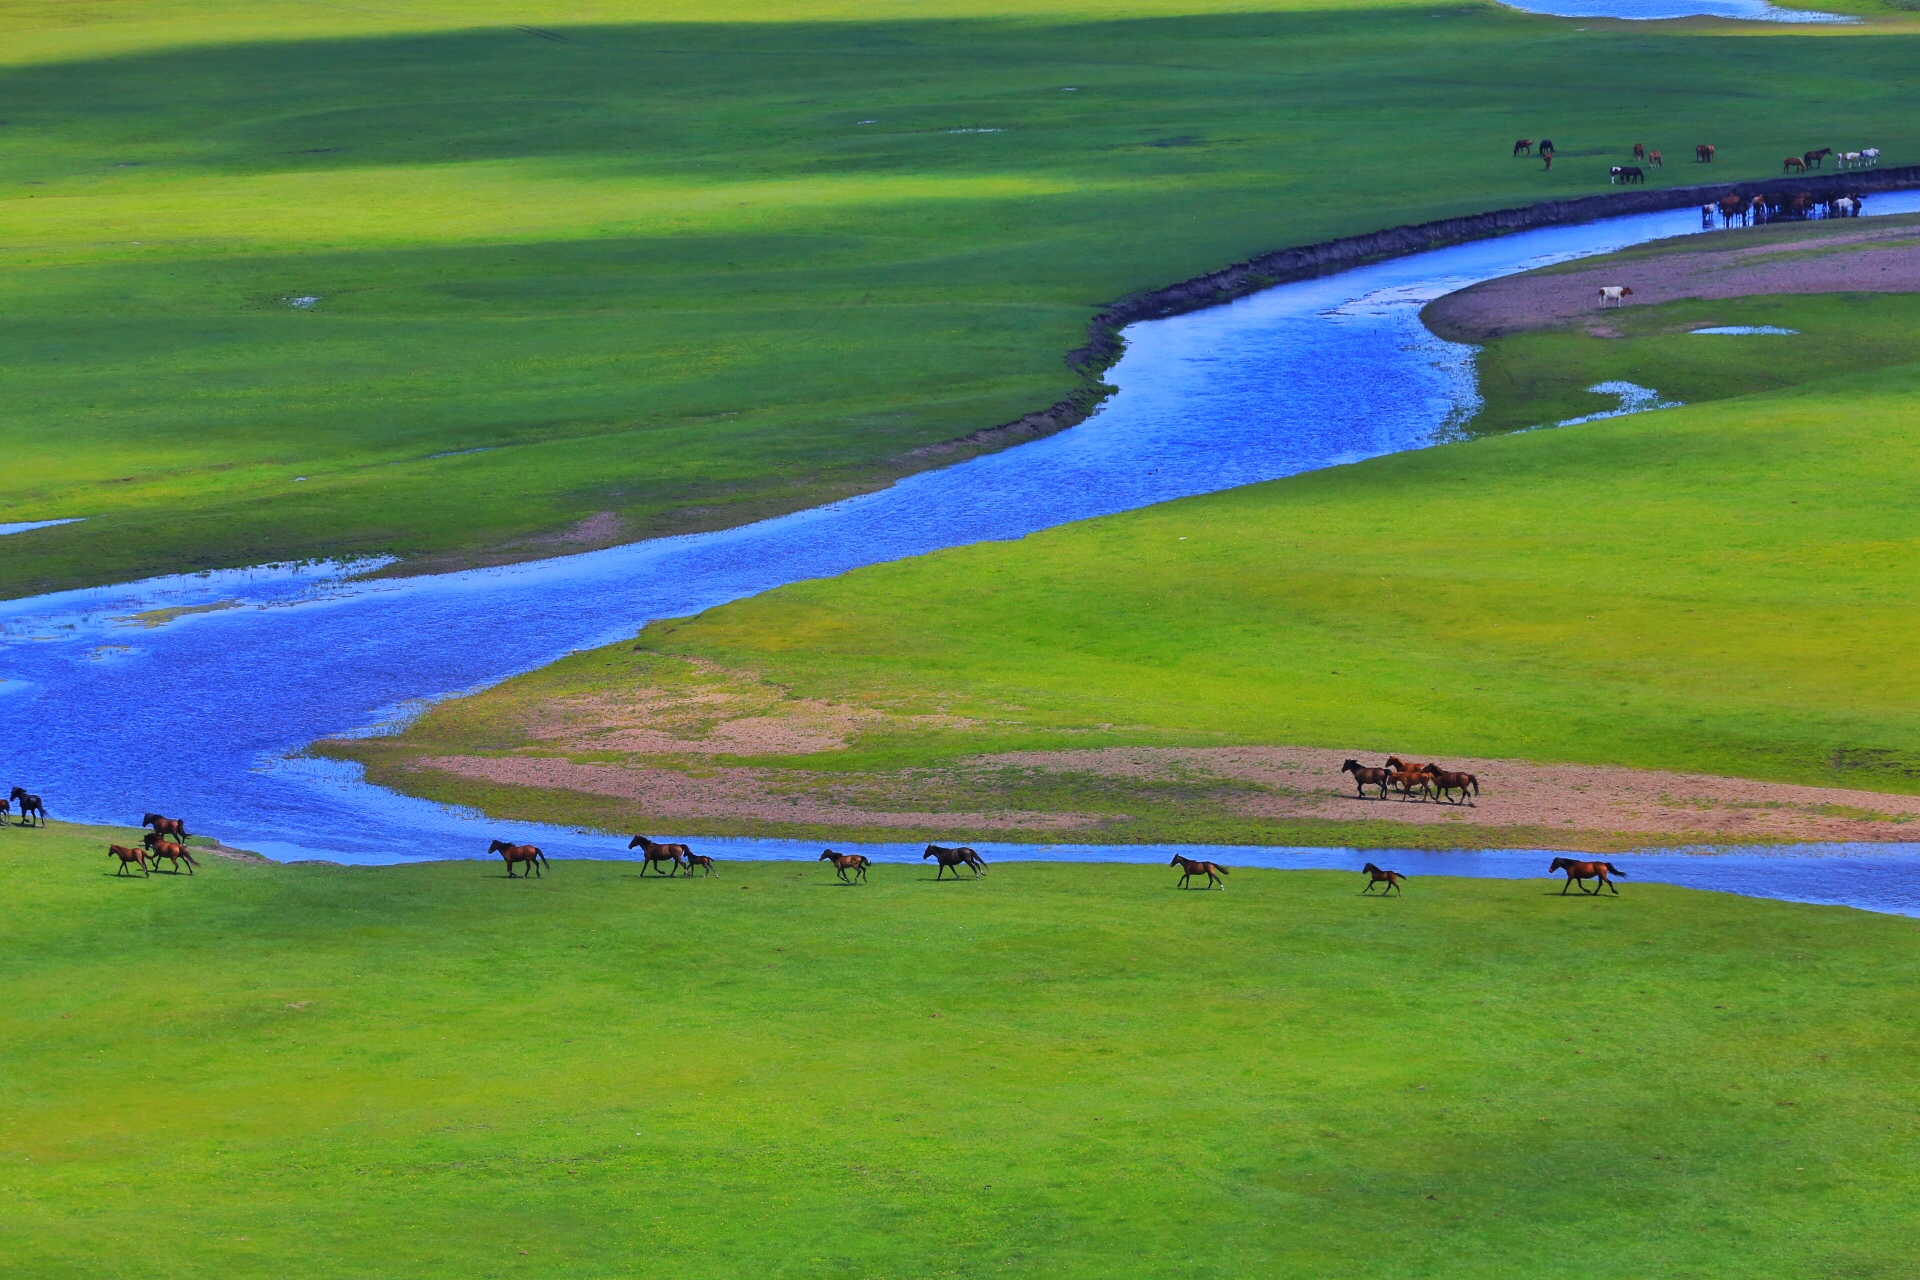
(1523,147)
(128,857)
(1653,158)
(1639,151)
(527,853)
(1585,871)
(700,860)
(1377,875)
(166,826)
(175,853)
(1546,158)
(1408,781)
(677,854)
(1793,164)
(954,859)
(1445,780)
(1365,776)
(30,806)
(1703,154)
(845,862)
(1815,159)
(1191,867)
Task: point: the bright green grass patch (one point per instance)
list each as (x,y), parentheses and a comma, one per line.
(1054,1071)
(652,264)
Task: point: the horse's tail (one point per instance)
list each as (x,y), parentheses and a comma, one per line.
(1612,870)
(1217,867)
(1476,783)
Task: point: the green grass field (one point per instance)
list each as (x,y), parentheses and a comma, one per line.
(1055,1071)
(1727,588)
(650,261)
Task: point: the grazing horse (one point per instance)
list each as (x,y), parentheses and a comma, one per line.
(845,862)
(1615,294)
(1365,776)
(1546,158)
(1802,204)
(1813,159)
(527,853)
(1703,154)
(1191,867)
(175,853)
(1376,875)
(128,857)
(1445,780)
(165,826)
(701,861)
(30,807)
(677,854)
(1633,173)
(1523,147)
(1585,871)
(1546,146)
(954,859)
(1793,163)
(1653,158)
(1639,151)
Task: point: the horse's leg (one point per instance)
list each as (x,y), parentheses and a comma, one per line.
(1568,885)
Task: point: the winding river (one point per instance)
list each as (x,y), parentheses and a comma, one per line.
(196,693)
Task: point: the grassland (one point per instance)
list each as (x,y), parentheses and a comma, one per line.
(1058,1070)
(594,273)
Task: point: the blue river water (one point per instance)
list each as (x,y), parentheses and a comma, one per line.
(194,695)
(1647,10)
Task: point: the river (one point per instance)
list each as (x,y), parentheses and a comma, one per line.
(195,694)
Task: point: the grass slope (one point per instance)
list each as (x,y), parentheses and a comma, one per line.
(651,261)
(1059,1071)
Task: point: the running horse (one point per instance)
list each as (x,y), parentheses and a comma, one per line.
(1365,776)
(174,853)
(1378,875)
(1191,867)
(845,862)
(128,857)
(677,854)
(954,859)
(1445,780)
(700,860)
(30,806)
(514,853)
(1585,871)
(166,826)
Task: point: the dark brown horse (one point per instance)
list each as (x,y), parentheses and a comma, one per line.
(30,806)
(527,853)
(175,853)
(1523,147)
(1191,867)
(166,826)
(1376,875)
(845,862)
(1445,780)
(1815,159)
(128,858)
(1639,151)
(1365,776)
(954,859)
(677,854)
(1585,871)
(1731,207)
(1703,154)
(702,861)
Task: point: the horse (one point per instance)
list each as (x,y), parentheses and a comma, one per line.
(1546,158)
(954,859)
(1851,160)
(1445,780)
(175,853)
(128,857)
(1615,294)
(1191,867)
(1546,146)
(1731,207)
(1703,154)
(700,860)
(1376,875)
(845,862)
(1523,147)
(1814,159)
(29,806)
(1639,151)
(1365,775)
(1792,163)
(1405,766)
(1614,174)
(1631,174)
(1870,157)
(1759,209)
(677,854)
(1706,217)
(166,826)
(1802,204)
(1408,781)
(1653,158)
(1585,871)
(527,853)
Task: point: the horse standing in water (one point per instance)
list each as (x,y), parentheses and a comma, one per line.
(845,862)
(1379,875)
(1191,867)
(954,859)
(30,806)
(677,854)
(1585,871)
(515,853)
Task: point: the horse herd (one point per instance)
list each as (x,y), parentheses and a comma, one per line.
(1767,206)
(1412,780)
(1627,174)
(168,840)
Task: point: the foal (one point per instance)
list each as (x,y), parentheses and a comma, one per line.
(845,862)
(1376,875)
(128,857)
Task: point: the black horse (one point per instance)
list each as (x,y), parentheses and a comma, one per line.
(30,807)
(954,859)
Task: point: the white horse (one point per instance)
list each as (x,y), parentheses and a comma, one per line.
(1871,156)
(1614,295)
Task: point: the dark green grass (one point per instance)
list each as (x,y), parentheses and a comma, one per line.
(657,267)
(1054,1071)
